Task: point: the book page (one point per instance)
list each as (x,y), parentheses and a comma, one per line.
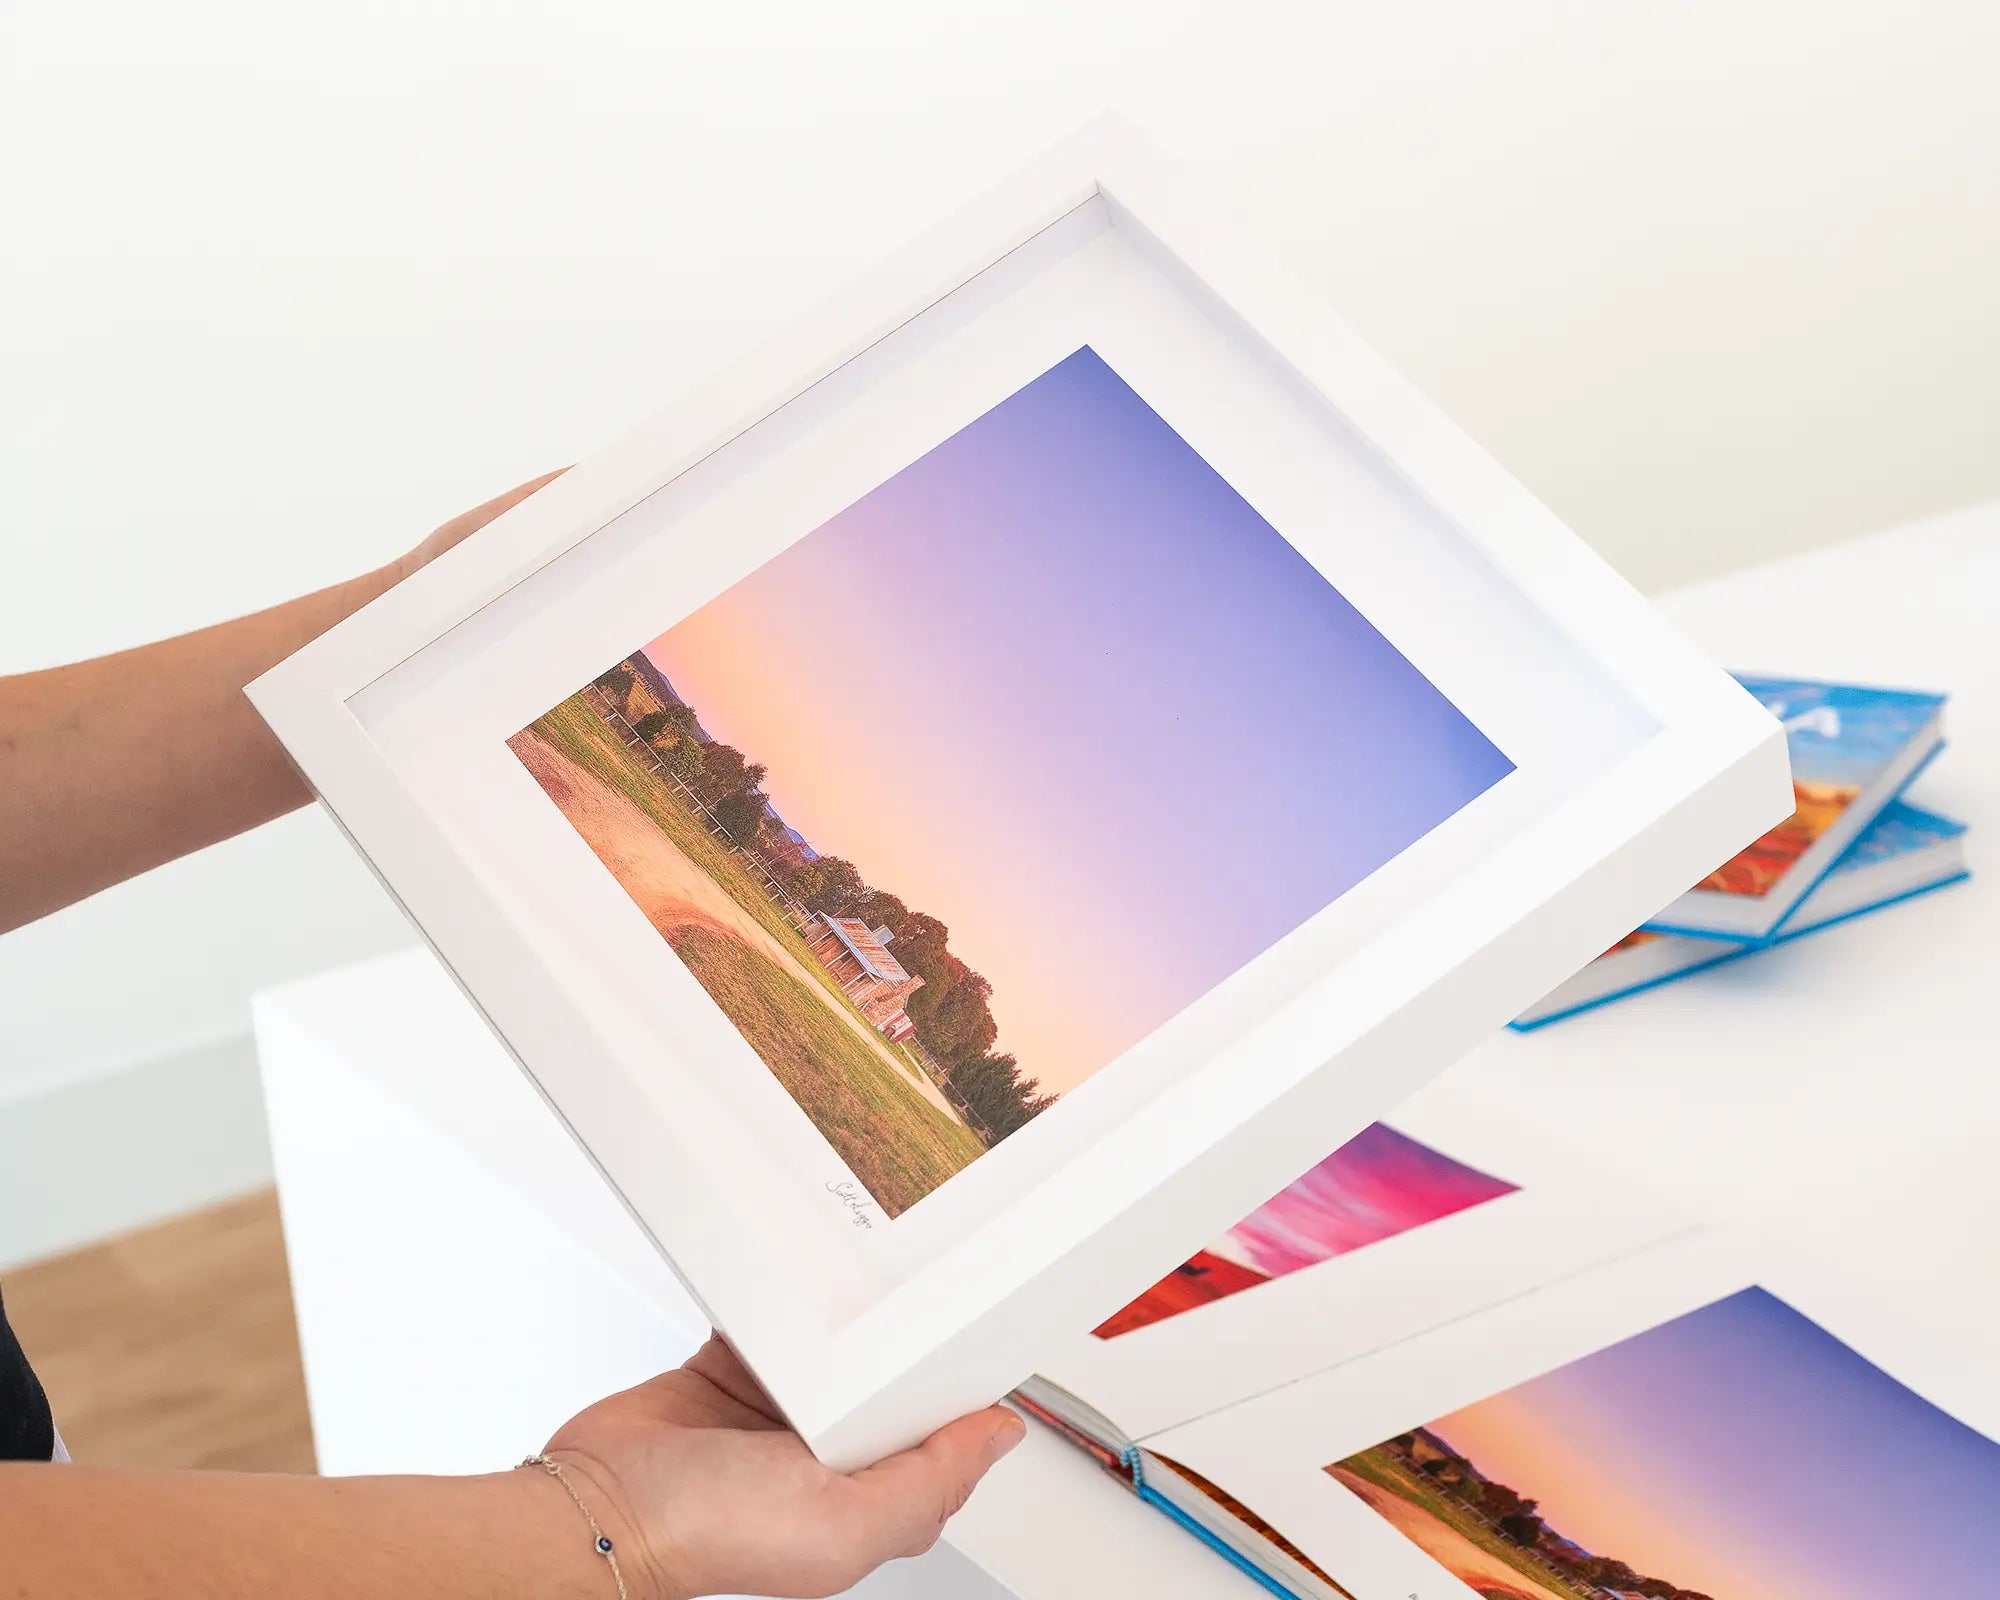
(1414,1223)
(1702,1421)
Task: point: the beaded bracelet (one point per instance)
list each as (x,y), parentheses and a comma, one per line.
(598,1541)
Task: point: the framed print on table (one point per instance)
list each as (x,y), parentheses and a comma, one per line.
(960,808)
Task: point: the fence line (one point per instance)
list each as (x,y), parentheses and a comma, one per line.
(1555,1569)
(793,911)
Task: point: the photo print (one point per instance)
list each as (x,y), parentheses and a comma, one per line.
(996,771)
(1739,1452)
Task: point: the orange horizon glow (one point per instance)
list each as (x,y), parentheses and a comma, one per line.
(1058,685)
(1616,1508)
(838,814)
(1743,1452)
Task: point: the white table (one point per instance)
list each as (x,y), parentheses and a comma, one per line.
(464,1281)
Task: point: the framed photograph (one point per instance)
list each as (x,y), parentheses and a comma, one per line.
(963,806)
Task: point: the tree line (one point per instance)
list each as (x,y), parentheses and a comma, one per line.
(1519,1517)
(951,1013)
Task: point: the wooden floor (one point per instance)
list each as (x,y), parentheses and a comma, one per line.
(174,1346)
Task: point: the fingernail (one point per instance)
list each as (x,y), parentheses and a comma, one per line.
(1005,1437)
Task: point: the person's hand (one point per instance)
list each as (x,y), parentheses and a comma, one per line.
(704,1491)
(443,537)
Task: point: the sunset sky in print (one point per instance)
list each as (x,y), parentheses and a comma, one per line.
(1743,1451)
(1379,1184)
(1058,685)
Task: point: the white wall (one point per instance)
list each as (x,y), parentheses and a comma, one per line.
(282,287)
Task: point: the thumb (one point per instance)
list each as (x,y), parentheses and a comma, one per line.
(467,523)
(915,1493)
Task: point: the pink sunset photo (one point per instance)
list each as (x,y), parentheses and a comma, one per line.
(1379,1184)
(993,773)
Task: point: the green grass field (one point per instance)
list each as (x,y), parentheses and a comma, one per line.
(897,1143)
(1382,1469)
(577,732)
(580,734)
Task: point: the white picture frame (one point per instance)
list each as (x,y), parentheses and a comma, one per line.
(1636,766)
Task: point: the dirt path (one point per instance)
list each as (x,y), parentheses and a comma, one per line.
(674,892)
(1477,1568)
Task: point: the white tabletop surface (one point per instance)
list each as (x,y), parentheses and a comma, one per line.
(1843,1092)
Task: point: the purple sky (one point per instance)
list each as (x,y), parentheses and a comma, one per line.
(1057,684)
(1743,1451)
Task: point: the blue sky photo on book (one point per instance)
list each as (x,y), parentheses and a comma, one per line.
(1853,749)
(1905,851)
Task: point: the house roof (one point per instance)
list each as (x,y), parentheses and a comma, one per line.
(866,948)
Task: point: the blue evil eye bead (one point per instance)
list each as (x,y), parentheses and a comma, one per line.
(603,1545)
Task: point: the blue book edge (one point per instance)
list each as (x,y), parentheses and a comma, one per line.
(1737,953)
(1235,1558)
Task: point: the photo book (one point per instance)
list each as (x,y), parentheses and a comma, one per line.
(1853,750)
(1673,1416)
(1903,853)
(1416,1221)
(965,803)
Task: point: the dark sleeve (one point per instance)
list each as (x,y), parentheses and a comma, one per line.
(26,1431)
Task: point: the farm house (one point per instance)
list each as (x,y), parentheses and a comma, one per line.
(858,957)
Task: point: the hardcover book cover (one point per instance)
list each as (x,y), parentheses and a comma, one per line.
(1853,748)
(1905,851)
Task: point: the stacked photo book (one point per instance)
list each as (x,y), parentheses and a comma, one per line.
(1854,845)
(1450,1362)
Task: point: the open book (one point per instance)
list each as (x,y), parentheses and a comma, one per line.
(1645,1408)
(1413,1223)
